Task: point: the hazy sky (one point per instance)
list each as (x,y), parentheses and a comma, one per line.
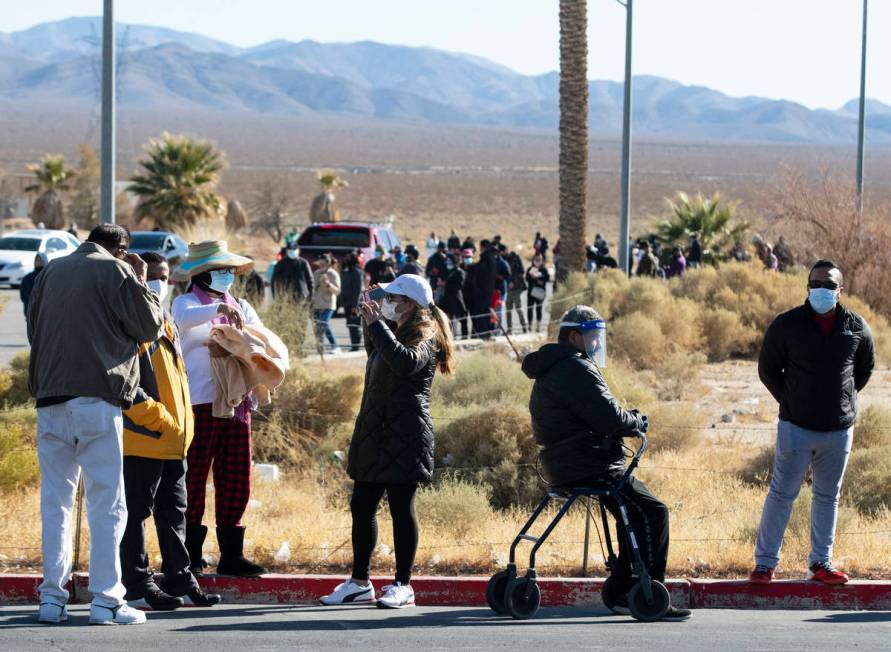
(803,50)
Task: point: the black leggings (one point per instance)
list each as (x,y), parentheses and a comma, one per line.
(363,505)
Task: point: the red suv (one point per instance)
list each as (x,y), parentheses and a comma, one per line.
(338,239)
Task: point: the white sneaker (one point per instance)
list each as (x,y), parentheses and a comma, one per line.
(336,351)
(50,612)
(397,596)
(349,593)
(120,615)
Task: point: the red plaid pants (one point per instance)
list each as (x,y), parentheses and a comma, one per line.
(225,444)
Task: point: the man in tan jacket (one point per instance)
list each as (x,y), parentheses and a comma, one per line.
(88,313)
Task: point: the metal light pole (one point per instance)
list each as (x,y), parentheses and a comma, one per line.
(861,129)
(625,213)
(108,108)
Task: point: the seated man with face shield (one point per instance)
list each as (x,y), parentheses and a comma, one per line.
(579,426)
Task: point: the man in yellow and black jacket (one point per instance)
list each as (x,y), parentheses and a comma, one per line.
(158,429)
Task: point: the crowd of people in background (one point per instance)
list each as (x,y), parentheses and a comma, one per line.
(486,287)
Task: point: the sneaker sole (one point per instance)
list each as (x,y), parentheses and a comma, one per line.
(675,619)
(347,604)
(383,605)
(831,583)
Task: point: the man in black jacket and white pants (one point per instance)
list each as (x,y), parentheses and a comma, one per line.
(579,426)
(814,360)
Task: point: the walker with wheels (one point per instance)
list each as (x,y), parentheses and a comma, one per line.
(508,593)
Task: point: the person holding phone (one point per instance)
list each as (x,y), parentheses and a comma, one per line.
(407,339)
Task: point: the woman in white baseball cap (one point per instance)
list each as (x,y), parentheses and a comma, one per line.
(407,338)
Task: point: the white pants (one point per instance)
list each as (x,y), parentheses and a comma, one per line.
(84,433)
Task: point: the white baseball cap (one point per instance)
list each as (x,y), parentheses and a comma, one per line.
(412,286)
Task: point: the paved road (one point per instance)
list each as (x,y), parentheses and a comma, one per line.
(12,327)
(273,627)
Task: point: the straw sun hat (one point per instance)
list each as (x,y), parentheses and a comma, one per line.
(211,254)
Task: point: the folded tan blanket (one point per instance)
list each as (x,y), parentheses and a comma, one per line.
(243,362)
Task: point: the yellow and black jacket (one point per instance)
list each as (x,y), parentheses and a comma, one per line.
(160,425)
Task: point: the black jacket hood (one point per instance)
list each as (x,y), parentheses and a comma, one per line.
(536,365)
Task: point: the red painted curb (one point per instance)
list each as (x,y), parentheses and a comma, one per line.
(471,592)
(789,594)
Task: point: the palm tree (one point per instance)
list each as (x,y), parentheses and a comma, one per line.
(573,135)
(176,186)
(711,219)
(52,176)
(323,207)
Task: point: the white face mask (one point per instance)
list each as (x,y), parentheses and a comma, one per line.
(390,310)
(159,287)
(293,253)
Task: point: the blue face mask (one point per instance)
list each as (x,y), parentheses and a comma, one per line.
(221,280)
(822,300)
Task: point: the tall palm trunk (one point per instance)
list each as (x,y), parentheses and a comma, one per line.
(573,135)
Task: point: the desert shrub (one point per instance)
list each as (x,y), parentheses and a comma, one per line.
(757,466)
(454,505)
(289,320)
(675,426)
(627,386)
(824,216)
(18,453)
(14,381)
(726,335)
(493,446)
(867,485)
(677,375)
(873,429)
(639,339)
(303,412)
(483,378)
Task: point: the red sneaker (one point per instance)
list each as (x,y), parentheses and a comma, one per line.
(761,575)
(823,571)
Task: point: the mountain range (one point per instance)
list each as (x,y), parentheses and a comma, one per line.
(161,69)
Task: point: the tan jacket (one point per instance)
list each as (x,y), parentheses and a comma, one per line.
(249,361)
(87,316)
(325,296)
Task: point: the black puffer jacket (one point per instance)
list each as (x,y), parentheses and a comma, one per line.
(814,377)
(577,422)
(393,438)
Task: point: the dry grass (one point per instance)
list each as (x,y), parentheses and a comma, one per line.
(461,532)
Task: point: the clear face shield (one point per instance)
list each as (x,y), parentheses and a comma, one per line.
(594,337)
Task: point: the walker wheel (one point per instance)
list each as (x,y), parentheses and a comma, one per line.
(608,595)
(496,590)
(648,612)
(523,598)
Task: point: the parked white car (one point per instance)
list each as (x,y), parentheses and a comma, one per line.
(19,248)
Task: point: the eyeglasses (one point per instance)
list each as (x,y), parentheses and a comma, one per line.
(828,285)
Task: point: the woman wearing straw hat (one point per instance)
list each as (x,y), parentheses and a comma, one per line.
(226,443)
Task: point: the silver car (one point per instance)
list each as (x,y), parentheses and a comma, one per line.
(19,248)
(166,243)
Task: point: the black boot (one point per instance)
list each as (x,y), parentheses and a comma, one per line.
(232,561)
(195,535)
